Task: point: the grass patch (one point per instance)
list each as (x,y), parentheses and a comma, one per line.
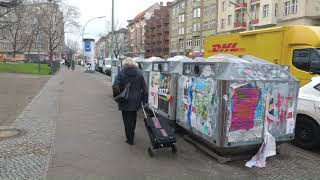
(29,68)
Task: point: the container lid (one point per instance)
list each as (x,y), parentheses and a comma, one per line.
(138,59)
(180,59)
(230,67)
(152,59)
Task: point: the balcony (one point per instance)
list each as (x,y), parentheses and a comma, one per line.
(241,6)
(255,21)
(165,29)
(239,25)
(254,2)
(158,31)
(165,20)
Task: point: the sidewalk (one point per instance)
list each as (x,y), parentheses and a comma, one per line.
(90,140)
(73,130)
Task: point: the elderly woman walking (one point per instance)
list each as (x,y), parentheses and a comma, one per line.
(130,73)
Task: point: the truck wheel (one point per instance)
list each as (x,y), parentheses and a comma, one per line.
(307,133)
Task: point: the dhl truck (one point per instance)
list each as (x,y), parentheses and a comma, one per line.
(295,46)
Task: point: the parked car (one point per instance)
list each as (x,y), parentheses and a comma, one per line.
(307,134)
(106,68)
(62,61)
(100,65)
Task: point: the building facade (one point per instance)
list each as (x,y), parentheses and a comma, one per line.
(157,33)
(190,22)
(121,49)
(136,29)
(32,39)
(243,15)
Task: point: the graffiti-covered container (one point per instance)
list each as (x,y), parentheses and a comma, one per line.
(163,85)
(147,68)
(229,101)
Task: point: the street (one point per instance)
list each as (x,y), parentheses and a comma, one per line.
(73,130)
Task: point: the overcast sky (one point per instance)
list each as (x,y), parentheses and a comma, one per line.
(124,10)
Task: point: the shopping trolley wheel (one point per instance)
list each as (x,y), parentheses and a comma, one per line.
(150,152)
(173,149)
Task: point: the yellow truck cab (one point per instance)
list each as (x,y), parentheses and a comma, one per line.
(295,46)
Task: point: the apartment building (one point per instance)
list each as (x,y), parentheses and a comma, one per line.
(157,33)
(240,15)
(303,12)
(120,46)
(36,48)
(136,29)
(190,22)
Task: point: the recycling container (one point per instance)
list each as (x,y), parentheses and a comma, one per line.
(228,101)
(163,85)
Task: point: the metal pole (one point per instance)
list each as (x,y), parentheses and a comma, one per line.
(112,32)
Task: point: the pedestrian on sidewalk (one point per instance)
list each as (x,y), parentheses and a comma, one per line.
(138,94)
(73,65)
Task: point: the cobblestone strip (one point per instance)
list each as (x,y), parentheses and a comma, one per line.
(27,156)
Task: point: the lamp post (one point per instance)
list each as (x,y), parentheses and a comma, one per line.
(250,19)
(84,27)
(112,32)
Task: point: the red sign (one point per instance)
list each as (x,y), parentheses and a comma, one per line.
(227,47)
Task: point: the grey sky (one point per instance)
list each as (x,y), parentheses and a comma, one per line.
(124,10)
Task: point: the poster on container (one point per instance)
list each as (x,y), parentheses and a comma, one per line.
(198,108)
(159,94)
(89,53)
(251,104)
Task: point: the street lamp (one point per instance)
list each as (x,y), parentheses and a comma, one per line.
(250,19)
(112,32)
(100,17)
(84,27)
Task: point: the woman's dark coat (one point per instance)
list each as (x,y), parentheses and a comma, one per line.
(138,91)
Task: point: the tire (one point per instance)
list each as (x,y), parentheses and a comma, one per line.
(307,133)
(174,149)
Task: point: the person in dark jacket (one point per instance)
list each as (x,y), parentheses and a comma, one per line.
(137,95)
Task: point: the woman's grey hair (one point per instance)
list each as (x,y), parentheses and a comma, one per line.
(129,62)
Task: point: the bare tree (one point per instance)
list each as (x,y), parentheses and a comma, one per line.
(15,29)
(72,48)
(120,42)
(55,20)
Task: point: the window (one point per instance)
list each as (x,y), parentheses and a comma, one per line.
(181,44)
(196,27)
(266,10)
(255,11)
(286,8)
(276,10)
(189,43)
(197,42)
(301,59)
(181,18)
(222,23)
(181,31)
(294,6)
(212,24)
(229,19)
(196,13)
(223,6)
(317,87)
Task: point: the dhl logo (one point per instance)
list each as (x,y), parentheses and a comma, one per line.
(227,47)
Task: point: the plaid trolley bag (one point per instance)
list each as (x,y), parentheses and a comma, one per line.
(161,134)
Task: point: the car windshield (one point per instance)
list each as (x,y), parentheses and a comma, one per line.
(317,87)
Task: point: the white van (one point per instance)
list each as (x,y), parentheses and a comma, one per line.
(307,134)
